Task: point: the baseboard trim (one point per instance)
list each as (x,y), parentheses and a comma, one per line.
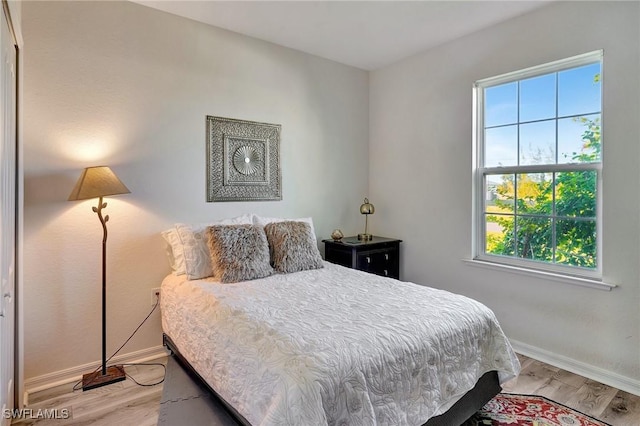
(74,374)
(577,367)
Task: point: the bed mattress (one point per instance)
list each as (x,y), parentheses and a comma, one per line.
(334,346)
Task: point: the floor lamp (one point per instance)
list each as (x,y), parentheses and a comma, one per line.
(98,182)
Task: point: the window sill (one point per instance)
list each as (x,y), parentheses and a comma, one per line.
(567,279)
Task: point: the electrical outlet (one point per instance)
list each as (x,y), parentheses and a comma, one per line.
(155,295)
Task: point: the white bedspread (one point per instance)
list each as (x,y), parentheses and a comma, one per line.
(334,346)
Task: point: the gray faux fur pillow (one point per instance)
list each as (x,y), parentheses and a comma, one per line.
(239,252)
(292,246)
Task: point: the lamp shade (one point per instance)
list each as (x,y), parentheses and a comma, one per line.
(97,182)
(367,207)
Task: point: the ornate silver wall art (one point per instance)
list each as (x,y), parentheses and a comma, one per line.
(243,160)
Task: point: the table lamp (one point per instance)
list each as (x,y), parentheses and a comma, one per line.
(366,209)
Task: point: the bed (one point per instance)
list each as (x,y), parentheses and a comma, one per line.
(337,346)
(285,338)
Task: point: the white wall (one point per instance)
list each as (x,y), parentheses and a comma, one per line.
(420,179)
(120,84)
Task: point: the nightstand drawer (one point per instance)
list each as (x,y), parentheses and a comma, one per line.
(379,256)
(381,262)
(339,256)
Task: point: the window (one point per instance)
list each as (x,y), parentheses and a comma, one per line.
(538,167)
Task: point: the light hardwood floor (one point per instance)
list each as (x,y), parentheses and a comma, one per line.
(126,403)
(608,404)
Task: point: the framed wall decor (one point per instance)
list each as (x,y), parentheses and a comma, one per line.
(243,160)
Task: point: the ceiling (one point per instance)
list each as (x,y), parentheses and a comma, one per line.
(364,34)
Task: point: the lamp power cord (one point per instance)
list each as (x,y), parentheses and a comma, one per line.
(78,385)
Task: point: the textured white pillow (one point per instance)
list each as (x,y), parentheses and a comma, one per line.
(195,250)
(175,252)
(263,221)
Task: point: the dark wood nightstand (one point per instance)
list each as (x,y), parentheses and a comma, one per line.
(379,256)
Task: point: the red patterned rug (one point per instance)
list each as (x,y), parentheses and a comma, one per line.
(529,410)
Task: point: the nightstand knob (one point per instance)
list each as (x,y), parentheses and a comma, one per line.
(368,259)
(386,256)
(386,273)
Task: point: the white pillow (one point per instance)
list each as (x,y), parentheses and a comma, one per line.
(192,246)
(263,221)
(175,252)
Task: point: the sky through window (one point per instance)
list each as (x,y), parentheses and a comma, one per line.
(536,120)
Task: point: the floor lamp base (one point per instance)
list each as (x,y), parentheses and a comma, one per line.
(115,373)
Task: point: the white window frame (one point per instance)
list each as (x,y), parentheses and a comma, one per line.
(479,171)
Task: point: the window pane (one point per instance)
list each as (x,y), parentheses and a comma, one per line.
(534,238)
(578,90)
(576,243)
(501,146)
(534,193)
(501,105)
(550,123)
(538,143)
(538,98)
(579,139)
(499,193)
(499,234)
(576,194)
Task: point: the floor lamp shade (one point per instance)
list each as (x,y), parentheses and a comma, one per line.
(98,182)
